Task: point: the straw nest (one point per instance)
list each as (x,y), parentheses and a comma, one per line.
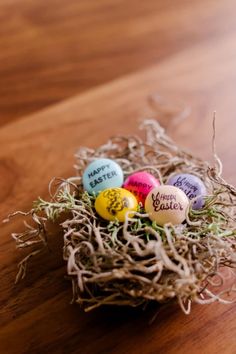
(137,261)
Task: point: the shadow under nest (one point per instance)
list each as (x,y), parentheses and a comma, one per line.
(137,261)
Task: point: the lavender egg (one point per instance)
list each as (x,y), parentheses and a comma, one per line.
(191,185)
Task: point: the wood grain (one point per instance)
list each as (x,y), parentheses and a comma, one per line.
(51,50)
(35,315)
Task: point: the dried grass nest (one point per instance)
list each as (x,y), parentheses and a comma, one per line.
(137,261)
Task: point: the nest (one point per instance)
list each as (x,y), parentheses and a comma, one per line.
(135,262)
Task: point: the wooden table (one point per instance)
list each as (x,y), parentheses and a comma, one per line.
(185,52)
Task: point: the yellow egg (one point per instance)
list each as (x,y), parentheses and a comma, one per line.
(113,203)
(167,204)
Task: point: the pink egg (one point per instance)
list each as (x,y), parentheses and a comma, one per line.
(140,184)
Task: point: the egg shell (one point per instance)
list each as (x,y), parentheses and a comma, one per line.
(167,204)
(114,203)
(191,185)
(102,174)
(140,184)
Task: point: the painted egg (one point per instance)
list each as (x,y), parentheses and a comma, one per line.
(113,203)
(140,184)
(191,185)
(167,204)
(102,174)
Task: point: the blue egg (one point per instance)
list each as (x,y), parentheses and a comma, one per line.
(102,174)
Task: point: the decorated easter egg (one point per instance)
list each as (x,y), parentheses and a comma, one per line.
(102,174)
(140,184)
(167,204)
(114,203)
(191,185)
